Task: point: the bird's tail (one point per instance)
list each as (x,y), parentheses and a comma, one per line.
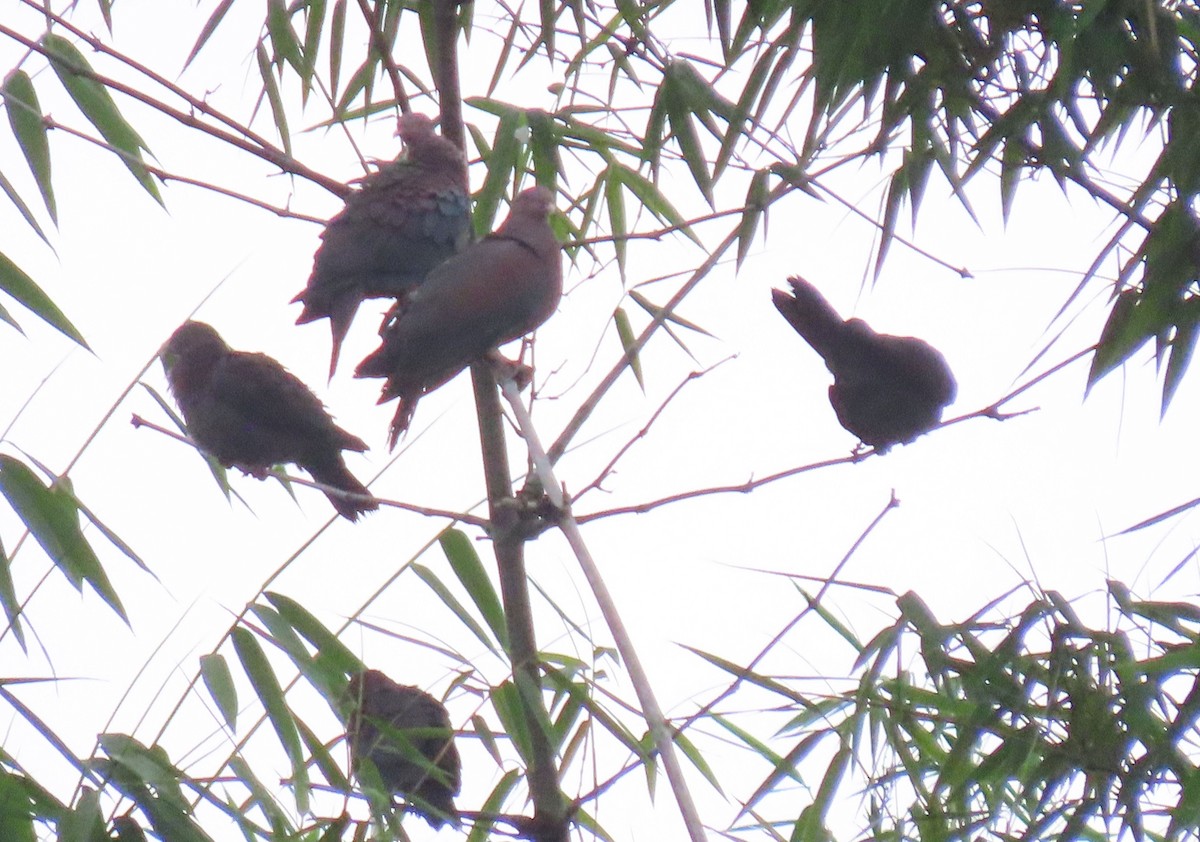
(436,805)
(811,315)
(339,310)
(402,418)
(338,476)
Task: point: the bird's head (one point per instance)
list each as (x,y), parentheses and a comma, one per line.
(424,145)
(190,341)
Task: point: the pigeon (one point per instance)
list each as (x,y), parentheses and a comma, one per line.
(494,291)
(247,411)
(406,734)
(404,220)
(886,389)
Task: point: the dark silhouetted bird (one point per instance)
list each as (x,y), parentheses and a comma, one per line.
(886,389)
(494,291)
(406,734)
(247,411)
(404,220)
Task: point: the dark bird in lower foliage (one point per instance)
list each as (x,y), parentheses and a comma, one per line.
(886,389)
(494,291)
(406,734)
(404,219)
(248,412)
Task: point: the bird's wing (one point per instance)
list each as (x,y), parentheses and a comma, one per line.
(391,233)
(259,388)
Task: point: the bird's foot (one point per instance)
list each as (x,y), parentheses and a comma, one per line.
(506,369)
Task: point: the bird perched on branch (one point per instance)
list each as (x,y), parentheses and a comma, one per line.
(886,389)
(406,734)
(494,291)
(404,219)
(247,411)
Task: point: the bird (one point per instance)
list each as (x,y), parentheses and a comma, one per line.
(886,389)
(247,411)
(404,219)
(494,291)
(406,734)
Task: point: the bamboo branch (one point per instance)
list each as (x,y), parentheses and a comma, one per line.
(660,730)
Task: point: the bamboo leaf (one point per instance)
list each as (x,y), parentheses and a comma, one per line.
(273,97)
(26,213)
(270,693)
(25,119)
(655,202)
(22,287)
(8,598)
(337,41)
(629,344)
(465,563)
(460,611)
(97,105)
(210,26)
(614,200)
(755,210)
(52,515)
(214,669)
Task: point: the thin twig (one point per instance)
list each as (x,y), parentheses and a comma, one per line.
(261,149)
(474,520)
(51,123)
(813,602)
(660,730)
(375,26)
(641,434)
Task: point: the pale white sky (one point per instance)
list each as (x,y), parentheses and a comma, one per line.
(984,505)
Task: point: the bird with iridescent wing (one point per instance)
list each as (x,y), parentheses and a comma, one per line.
(401,222)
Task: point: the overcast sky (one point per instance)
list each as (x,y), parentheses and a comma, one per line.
(984,507)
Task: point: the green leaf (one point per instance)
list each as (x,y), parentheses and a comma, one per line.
(1121,335)
(210,26)
(1012,160)
(22,287)
(629,344)
(756,209)
(16,809)
(263,798)
(614,200)
(52,515)
(684,130)
(148,778)
(460,611)
(337,41)
(25,118)
(270,693)
(1183,346)
(214,669)
(314,24)
(333,660)
(673,317)
(501,162)
(465,563)
(273,97)
(85,822)
(283,38)
(26,213)
(220,474)
(94,100)
(654,201)
(8,598)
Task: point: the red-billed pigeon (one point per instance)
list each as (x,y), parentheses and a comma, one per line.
(404,219)
(247,411)
(494,291)
(406,734)
(886,389)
